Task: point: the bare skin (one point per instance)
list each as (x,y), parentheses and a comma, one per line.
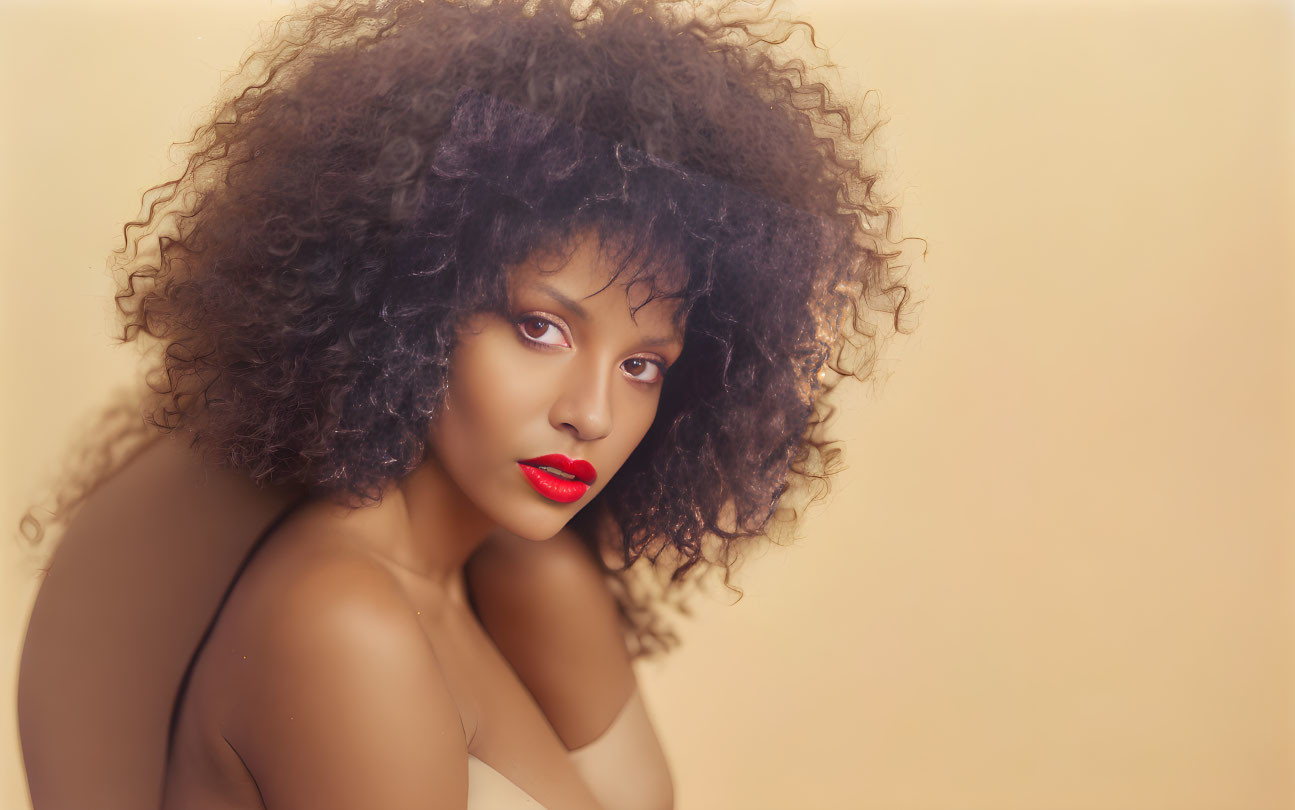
(500,721)
(572,372)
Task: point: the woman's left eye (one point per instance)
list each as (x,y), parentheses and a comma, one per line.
(643,369)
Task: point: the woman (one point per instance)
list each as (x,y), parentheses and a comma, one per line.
(488,301)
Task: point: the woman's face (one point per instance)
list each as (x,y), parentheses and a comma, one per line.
(568,385)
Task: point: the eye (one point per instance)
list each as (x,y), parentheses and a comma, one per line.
(538,329)
(644,370)
(541,330)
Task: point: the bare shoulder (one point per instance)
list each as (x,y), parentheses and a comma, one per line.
(555,585)
(549,610)
(560,567)
(342,702)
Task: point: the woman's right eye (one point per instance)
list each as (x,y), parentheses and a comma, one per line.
(541,330)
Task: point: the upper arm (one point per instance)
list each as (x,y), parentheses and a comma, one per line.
(343,704)
(549,611)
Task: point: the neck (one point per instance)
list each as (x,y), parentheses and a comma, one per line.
(428,526)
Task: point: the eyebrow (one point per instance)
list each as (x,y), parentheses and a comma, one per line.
(583,314)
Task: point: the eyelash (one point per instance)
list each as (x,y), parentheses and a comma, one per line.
(554,322)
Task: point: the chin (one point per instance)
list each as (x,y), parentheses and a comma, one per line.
(538,528)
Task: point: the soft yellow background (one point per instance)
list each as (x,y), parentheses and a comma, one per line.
(1058,573)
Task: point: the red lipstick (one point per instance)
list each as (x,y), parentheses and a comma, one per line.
(551,483)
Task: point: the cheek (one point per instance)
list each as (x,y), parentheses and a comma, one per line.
(634,415)
(494,389)
(640,418)
(490,401)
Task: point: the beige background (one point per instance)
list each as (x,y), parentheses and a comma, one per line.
(1058,573)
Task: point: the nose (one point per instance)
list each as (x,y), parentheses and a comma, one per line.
(583,404)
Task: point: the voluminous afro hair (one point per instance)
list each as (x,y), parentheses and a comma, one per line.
(341,214)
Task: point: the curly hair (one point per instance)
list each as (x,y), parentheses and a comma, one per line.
(341,215)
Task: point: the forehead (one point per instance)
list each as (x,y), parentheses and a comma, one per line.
(587,267)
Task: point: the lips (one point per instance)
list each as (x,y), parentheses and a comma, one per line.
(582,470)
(553,485)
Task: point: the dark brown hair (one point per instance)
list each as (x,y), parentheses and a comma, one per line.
(341,214)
